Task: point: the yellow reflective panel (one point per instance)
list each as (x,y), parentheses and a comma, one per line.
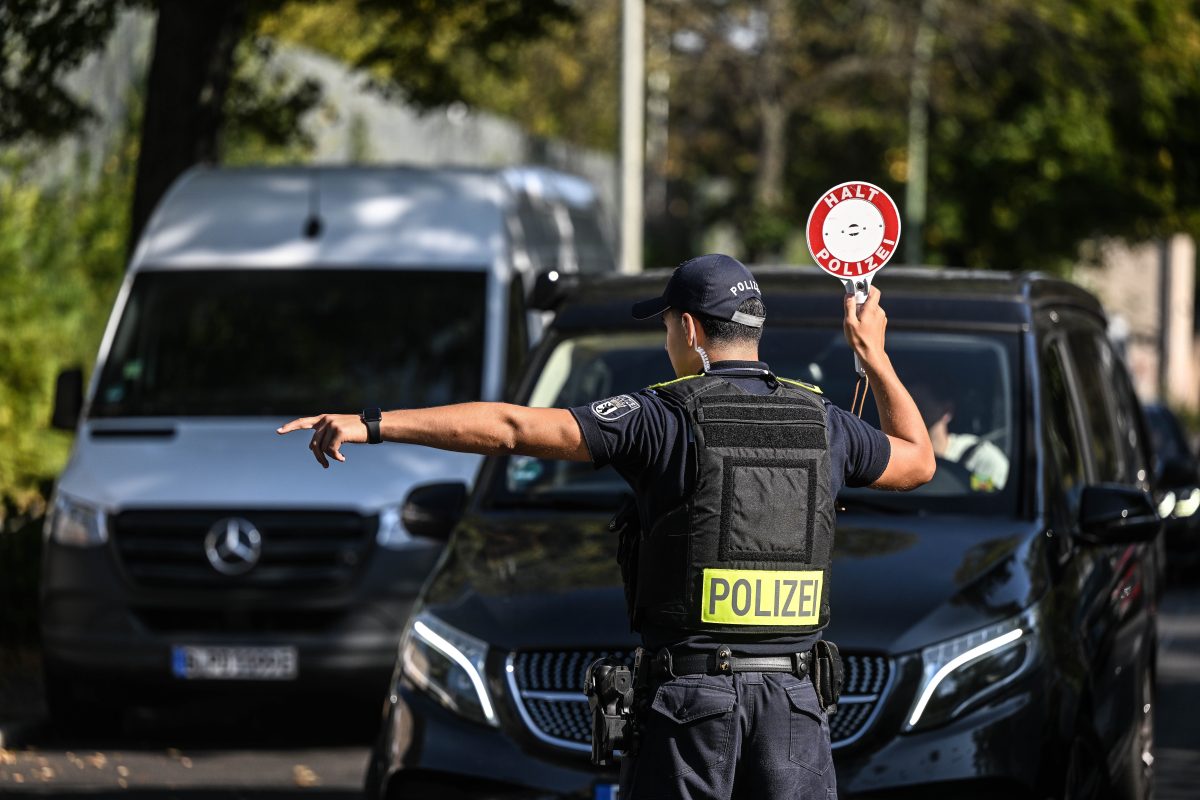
(762,597)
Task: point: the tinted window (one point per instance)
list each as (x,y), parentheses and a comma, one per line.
(518,335)
(969,379)
(1135,449)
(542,239)
(281,342)
(1093,361)
(591,248)
(1065,474)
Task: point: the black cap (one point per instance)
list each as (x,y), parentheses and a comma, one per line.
(714,285)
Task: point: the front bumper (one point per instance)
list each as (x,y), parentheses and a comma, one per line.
(97,628)
(997,751)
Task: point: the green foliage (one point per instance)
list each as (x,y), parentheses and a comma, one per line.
(61,261)
(1058,121)
(429,52)
(40,42)
(265,109)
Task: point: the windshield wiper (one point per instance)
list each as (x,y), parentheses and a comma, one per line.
(569,501)
(858,502)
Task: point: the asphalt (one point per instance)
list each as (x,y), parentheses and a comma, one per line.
(1177,732)
(266,752)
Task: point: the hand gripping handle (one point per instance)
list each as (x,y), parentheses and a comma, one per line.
(860,289)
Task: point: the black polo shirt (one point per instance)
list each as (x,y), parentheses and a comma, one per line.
(646,440)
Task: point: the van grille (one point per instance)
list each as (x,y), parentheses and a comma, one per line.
(299,549)
(548,689)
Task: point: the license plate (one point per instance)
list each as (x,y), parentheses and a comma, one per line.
(234,663)
(605,791)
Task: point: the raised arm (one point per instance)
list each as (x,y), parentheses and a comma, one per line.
(485,428)
(912,462)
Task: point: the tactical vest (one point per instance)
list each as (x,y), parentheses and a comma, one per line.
(748,550)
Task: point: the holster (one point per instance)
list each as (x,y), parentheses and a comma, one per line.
(827,674)
(610,689)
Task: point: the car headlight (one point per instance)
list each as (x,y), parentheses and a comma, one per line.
(1187,504)
(960,673)
(448,665)
(75,524)
(391,532)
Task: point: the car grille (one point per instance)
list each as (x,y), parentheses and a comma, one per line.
(548,689)
(299,549)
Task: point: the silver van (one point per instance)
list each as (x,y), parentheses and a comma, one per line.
(187,543)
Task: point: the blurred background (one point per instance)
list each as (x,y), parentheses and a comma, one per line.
(1058,135)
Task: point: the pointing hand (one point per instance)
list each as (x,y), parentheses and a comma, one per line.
(330,432)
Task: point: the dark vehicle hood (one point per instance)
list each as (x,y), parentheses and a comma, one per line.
(549,580)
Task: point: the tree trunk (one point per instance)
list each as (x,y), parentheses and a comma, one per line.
(773,107)
(185,96)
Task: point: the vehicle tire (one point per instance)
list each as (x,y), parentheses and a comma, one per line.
(1086,772)
(75,709)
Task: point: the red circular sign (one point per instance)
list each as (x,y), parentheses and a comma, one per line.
(853,230)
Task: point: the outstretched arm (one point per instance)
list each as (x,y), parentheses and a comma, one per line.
(912,463)
(485,428)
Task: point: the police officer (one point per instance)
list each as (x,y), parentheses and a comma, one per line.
(734,471)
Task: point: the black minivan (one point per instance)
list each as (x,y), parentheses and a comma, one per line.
(998,624)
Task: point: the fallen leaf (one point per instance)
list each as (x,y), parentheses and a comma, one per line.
(124,784)
(97,760)
(303,776)
(173,753)
(7,756)
(185,762)
(18,777)
(123,771)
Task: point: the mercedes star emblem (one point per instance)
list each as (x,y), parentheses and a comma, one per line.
(233,546)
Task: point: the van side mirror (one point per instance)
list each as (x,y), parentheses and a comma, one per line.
(1117,515)
(68,399)
(434,509)
(1178,472)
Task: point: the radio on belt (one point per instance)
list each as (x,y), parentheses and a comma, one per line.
(852,231)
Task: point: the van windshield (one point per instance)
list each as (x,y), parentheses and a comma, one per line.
(964,383)
(279,342)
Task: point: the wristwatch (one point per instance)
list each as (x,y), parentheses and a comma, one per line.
(371,417)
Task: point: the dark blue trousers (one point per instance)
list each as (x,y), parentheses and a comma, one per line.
(750,735)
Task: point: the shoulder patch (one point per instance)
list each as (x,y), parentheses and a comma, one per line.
(811,387)
(615,407)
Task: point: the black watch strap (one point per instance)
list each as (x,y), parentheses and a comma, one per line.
(372,417)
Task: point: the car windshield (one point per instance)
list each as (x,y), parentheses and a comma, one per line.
(278,342)
(963,382)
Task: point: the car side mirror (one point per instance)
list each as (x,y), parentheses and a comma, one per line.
(550,288)
(1178,472)
(434,509)
(1117,515)
(68,399)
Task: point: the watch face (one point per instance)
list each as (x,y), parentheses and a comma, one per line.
(372,415)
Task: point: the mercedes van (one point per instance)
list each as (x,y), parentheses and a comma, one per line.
(189,545)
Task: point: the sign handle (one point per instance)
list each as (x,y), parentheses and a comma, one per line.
(860,288)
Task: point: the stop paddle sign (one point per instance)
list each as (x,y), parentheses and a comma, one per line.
(852,231)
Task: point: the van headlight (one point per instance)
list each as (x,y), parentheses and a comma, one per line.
(960,673)
(75,524)
(449,666)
